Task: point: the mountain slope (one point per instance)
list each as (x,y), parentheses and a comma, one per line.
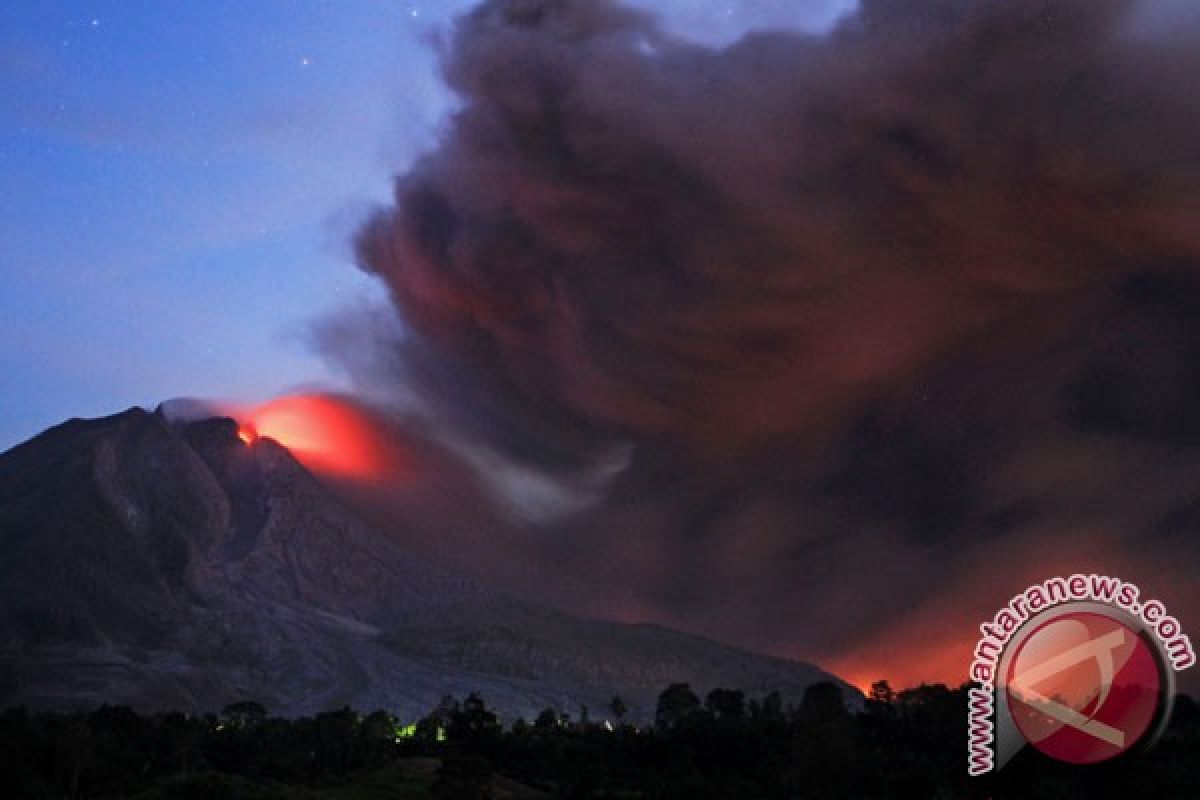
(169,564)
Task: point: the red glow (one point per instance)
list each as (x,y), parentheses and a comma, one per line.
(903,667)
(323,433)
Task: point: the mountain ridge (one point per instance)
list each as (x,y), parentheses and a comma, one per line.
(166,563)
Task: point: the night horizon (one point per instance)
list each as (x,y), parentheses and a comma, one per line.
(816,330)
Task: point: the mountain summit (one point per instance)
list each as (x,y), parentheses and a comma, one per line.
(169,564)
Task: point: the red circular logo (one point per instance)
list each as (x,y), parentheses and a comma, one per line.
(1084,687)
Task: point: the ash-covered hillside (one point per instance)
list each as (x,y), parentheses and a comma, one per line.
(172,565)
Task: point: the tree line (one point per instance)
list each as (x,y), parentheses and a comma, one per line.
(907,744)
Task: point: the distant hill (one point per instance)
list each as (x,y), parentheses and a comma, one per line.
(170,565)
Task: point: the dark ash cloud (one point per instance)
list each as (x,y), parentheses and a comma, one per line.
(872,309)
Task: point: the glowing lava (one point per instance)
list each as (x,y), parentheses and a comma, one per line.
(325,434)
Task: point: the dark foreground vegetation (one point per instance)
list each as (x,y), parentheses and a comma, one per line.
(906,745)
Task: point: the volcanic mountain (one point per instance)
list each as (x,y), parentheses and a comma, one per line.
(170,564)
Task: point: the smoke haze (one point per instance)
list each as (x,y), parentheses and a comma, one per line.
(820,344)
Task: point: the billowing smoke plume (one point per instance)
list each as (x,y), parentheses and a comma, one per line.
(886,321)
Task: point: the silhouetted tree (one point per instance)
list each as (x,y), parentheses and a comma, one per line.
(824,705)
(245,712)
(726,704)
(881,693)
(675,704)
(770,708)
(618,708)
(378,734)
(817,750)
(428,728)
(473,722)
(336,732)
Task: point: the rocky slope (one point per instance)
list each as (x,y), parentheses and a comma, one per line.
(166,564)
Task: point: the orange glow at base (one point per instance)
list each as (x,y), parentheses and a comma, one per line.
(323,433)
(942,661)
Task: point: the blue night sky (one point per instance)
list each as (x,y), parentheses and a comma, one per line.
(179,182)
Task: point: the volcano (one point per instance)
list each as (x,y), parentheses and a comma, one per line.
(170,564)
